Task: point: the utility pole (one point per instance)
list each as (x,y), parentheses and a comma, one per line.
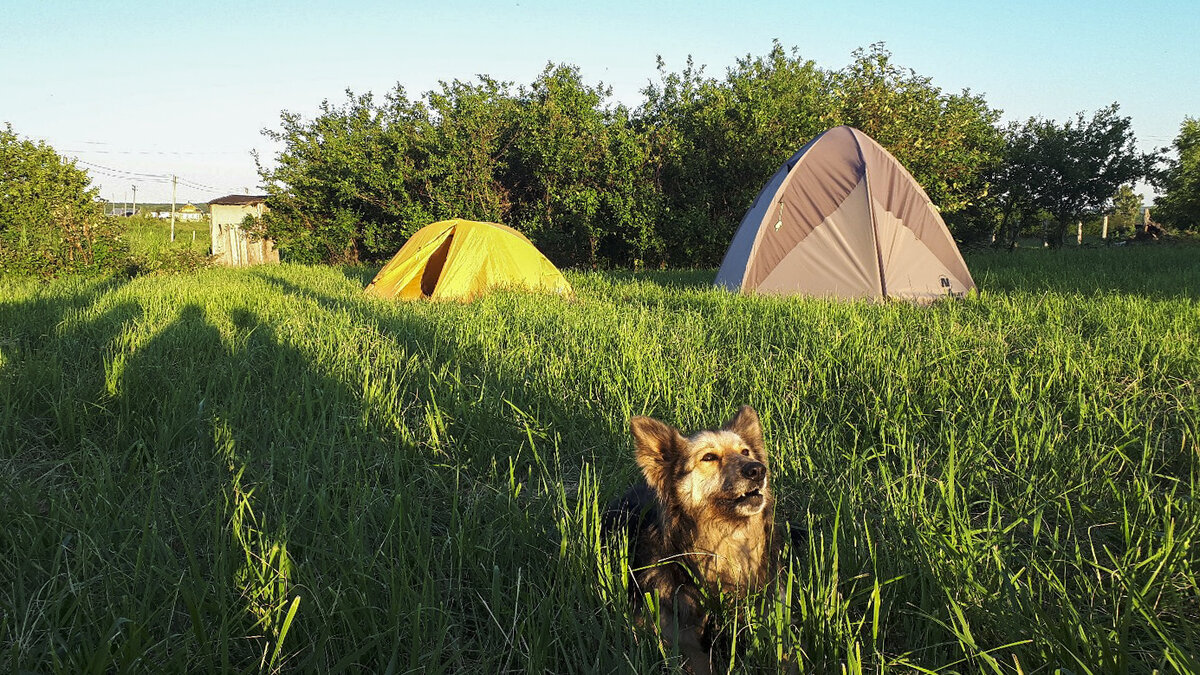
(135,200)
(173,181)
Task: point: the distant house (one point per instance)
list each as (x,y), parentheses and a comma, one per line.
(189,213)
(231,245)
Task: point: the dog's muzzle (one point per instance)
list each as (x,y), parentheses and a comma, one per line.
(751,501)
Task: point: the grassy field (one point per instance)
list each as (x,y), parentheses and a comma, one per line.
(262,469)
(151,237)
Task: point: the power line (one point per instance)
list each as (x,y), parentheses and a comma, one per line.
(122,174)
(194,184)
(156,152)
(123,171)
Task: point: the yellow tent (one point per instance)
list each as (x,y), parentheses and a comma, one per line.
(460,259)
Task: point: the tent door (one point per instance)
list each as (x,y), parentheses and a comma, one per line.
(433,268)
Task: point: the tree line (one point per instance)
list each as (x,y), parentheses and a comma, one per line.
(597,183)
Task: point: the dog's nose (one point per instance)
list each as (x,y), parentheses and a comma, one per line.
(754,470)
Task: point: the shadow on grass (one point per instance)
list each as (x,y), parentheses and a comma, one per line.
(274,487)
(1160,271)
(1153,271)
(39,314)
(46,363)
(205,474)
(207,465)
(503,424)
(360,274)
(696,279)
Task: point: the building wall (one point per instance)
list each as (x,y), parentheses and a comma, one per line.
(230,244)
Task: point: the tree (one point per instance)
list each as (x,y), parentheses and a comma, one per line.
(1179,205)
(50,219)
(462,152)
(721,139)
(595,184)
(717,141)
(947,142)
(344,184)
(1127,207)
(358,179)
(1071,169)
(1014,185)
(579,174)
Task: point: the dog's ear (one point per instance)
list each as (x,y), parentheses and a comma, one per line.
(658,446)
(745,423)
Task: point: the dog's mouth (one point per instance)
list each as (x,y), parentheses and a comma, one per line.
(751,499)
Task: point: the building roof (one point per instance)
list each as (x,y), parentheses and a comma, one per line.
(188,208)
(239,200)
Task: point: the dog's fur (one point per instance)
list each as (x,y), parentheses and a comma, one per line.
(701,526)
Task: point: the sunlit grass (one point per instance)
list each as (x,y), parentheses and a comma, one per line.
(151,237)
(263,469)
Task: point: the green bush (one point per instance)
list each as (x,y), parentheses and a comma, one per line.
(596,184)
(1179,181)
(50,220)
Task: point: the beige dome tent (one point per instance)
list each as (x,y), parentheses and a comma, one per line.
(842,218)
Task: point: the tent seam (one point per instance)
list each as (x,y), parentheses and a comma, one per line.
(871,212)
(777,197)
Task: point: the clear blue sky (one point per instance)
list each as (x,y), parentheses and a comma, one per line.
(186,87)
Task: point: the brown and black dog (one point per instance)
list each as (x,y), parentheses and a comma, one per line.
(702,525)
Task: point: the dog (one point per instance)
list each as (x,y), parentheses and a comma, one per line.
(700,527)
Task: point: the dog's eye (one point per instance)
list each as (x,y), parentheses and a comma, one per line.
(746,451)
(710,457)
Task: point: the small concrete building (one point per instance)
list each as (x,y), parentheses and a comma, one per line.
(231,245)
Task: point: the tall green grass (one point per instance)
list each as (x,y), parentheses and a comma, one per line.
(265,470)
